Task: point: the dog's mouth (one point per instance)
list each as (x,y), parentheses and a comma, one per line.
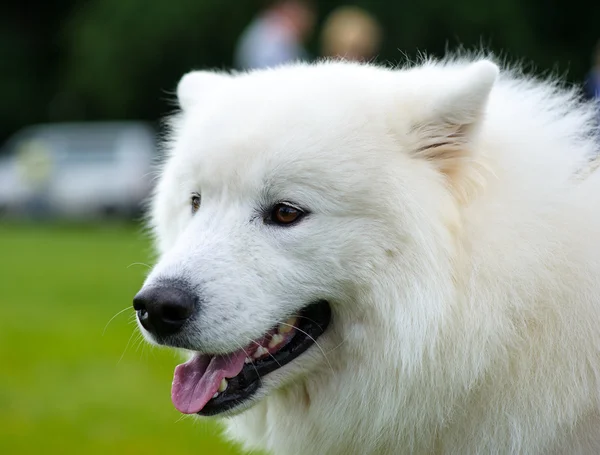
(212,384)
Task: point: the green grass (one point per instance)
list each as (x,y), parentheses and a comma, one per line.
(69,383)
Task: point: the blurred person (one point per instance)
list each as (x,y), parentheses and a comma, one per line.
(351,33)
(277,35)
(592,82)
(35,166)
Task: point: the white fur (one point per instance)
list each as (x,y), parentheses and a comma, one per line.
(454,227)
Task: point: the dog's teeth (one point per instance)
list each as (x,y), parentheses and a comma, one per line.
(260,352)
(216,395)
(223,385)
(275,340)
(289,325)
(248,360)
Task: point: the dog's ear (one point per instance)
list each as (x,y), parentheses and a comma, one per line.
(447,108)
(452,110)
(195,85)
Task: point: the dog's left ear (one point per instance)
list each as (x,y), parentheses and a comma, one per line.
(195,86)
(453,109)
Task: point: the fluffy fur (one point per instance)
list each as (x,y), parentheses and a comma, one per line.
(454,227)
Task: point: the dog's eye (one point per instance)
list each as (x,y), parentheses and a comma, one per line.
(195,202)
(284,214)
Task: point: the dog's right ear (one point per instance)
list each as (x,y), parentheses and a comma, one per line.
(461,100)
(448,106)
(195,85)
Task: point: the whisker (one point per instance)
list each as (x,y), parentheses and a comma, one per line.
(139,342)
(110,320)
(251,363)
(297,316)
(181,417)
(133,332)
(316,323)
(272,356)
(139,263)
(335,347)
(315,342)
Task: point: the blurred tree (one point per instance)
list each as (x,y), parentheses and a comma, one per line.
(29,58)
(99,59)
(125,57)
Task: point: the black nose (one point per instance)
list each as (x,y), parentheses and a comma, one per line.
(163,309)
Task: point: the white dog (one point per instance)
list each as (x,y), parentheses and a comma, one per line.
(372,261)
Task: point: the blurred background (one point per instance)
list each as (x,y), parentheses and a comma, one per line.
(84,87)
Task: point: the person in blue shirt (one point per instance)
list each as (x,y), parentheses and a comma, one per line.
(592,82)
(276,36)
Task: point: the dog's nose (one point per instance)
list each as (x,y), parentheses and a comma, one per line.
(162,310)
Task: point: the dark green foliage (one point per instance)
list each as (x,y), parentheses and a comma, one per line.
(96,59)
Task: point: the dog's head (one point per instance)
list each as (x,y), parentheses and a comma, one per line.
(286,199)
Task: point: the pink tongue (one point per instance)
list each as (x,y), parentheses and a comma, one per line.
(196,381)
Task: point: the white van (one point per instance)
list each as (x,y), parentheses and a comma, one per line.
(75,170)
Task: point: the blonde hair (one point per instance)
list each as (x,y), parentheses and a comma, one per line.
(351,33)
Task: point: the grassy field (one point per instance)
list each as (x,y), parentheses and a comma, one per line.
(70,383)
